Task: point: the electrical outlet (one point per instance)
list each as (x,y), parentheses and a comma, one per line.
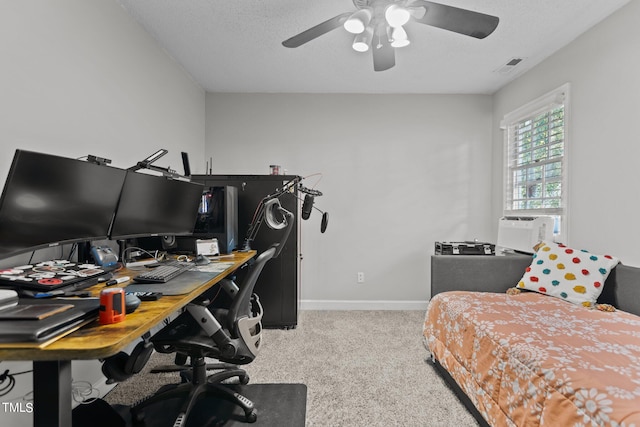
(360,277)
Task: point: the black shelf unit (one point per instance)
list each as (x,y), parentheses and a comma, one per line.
(279,284)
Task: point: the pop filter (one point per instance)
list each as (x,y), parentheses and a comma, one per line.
(325,222)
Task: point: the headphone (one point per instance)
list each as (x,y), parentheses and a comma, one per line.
(122,366)
(270,208)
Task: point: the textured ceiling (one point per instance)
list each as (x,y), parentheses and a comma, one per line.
(235,46)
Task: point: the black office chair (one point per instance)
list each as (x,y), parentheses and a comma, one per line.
(233,336)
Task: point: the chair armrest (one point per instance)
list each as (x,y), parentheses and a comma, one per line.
(212,328)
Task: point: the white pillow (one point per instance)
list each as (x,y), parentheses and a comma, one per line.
(574,275)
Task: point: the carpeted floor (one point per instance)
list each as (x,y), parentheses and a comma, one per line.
(361,368)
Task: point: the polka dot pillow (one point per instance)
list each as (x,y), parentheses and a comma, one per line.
(573,275)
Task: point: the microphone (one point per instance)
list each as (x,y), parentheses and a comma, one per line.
(307,205)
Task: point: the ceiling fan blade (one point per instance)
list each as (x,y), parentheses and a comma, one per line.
(317,31)
(384,55)
(454,19)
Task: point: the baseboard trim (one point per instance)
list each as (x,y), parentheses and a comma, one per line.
(362,305)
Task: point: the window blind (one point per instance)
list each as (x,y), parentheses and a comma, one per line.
(535,158)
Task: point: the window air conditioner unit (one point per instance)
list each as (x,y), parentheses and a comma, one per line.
(522,233)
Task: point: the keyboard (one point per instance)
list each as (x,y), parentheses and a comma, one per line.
(164,272)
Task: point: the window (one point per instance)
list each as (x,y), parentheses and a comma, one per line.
(535,158)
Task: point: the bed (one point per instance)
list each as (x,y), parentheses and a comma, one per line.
(529,358)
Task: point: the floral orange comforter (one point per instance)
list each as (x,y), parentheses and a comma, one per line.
(531,359)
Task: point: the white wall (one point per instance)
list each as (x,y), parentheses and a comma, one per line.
(399,173)
(81,77)
(603,69)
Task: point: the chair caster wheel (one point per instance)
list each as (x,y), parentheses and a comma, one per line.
(244,379)
(137,417)
(251,416)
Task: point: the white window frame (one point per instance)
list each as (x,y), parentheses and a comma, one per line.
(547,102)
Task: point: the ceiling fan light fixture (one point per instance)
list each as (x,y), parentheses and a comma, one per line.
(362,41)
(399,37)
(385,19)
(418,12)
(358,21)
(396,16)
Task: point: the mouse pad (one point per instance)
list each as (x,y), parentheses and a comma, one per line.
(183,284)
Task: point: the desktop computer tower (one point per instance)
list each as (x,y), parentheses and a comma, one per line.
(279,283)
(217,219)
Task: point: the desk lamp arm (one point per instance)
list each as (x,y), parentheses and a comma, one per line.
(147,164)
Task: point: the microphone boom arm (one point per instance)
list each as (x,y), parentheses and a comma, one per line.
(271,202)
(259,216)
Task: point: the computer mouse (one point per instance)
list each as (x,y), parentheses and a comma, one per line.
(202,260)
(131,303)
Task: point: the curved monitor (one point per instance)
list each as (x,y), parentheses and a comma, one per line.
(153,205)
(49,200)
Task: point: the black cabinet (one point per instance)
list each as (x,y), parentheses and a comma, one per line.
(278,285)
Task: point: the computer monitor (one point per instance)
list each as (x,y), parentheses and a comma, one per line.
(49,200)
(153,205)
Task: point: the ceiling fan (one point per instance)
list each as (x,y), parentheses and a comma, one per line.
(378,25)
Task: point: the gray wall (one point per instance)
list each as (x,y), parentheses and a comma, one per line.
(604,73)
(399,173)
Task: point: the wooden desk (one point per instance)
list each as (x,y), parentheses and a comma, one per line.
(52,363)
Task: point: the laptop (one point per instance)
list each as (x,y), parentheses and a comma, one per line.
(51,327)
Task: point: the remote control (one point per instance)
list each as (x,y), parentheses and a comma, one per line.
(147,296)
